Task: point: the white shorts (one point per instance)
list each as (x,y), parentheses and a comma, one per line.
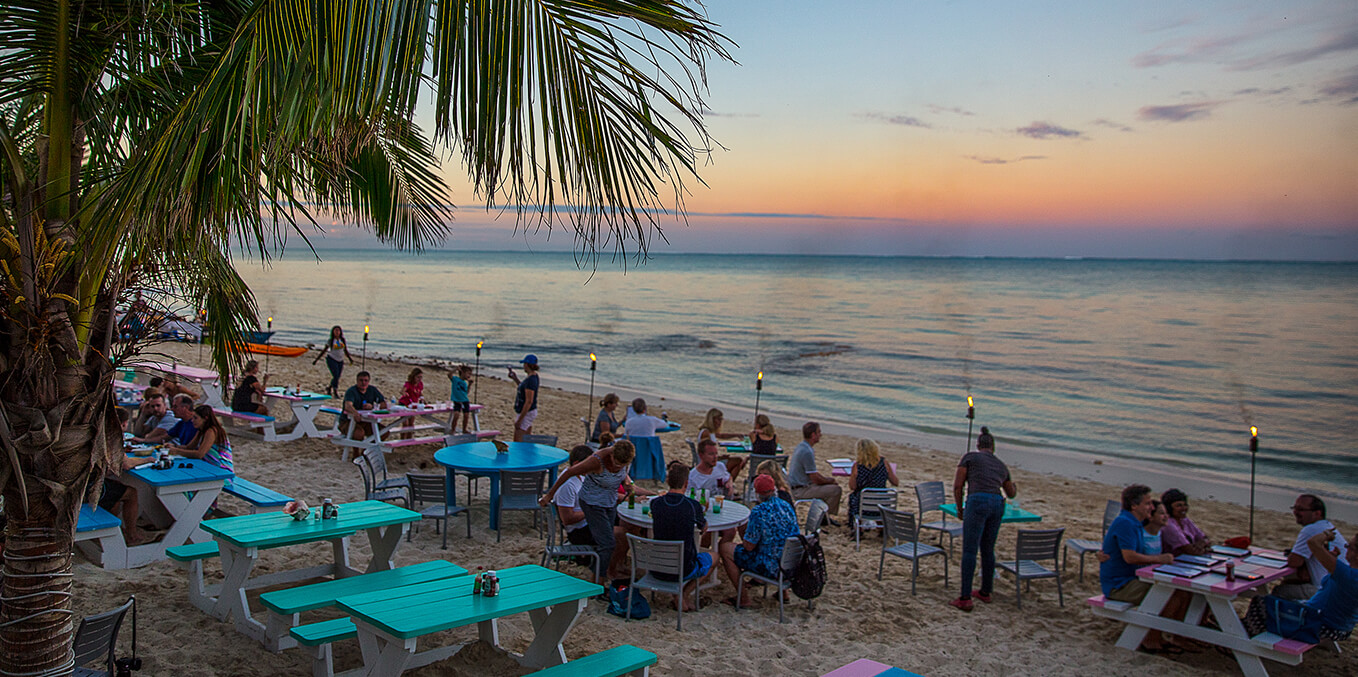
(528,419)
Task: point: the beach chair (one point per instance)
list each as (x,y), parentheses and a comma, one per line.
(519,491)
(792,555)
(371,492)
(473,480)
(901,539)
(558,548)
(1084,546)
(96,639)
(870,504)
(377,463)
(433,490)
(931,497)
(549,440)
(692,449)
(1035,545)
(815,515)
(653,557)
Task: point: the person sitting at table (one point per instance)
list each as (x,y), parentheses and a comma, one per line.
(674,518)
(526,396)
(711,476)
(806,481)
(460,383)
(774,470)
(605,421)
(362,396)
(1309,511)
(1125,547)
(412,393)
(601,474)
(869,471)
(153,421)
(641,424)
(1331,613)
(711,429)
(568,510)
(211,443)
(118,498)
(772,522)
(763,439)
(171,387)
(183,432)
(1152,530)
(1181,536)
(249,394)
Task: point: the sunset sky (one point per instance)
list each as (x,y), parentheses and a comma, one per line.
(1155,129)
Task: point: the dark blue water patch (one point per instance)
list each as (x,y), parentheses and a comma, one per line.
(1308,395)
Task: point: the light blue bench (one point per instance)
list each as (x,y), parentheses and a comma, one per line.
(620,660)
(260,498)
(99,536)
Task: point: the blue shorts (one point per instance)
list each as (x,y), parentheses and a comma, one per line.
(704,565)
(463,407)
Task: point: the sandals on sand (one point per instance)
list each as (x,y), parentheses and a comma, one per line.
(962,604)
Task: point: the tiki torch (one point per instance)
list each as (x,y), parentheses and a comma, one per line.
(365,347)
(1254,454)
(971,416)
(476,388)
(267,338)
(593,366)
(758,388)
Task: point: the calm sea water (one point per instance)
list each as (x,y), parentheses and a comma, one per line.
(1150,360)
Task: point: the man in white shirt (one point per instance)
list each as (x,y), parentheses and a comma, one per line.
(154,419)
(567,511)
(640,424)
(709,474)
(1309,511)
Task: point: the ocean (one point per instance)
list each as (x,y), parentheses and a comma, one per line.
(1167,362)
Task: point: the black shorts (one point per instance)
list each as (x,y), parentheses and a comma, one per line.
(464,407)
(113,492)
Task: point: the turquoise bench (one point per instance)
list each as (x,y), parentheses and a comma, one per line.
(256,425)
(286,606)
(260,498)
(99,536)
(190,557)
(620,660)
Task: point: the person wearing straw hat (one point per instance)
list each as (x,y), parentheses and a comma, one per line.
(526,397)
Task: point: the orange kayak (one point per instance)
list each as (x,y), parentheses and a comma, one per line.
(281,351)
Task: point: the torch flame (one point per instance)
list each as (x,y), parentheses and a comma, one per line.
(271,320)
(761,376)
(1254,432)
(478,344)
(365,329)
(592,358)
(968,400)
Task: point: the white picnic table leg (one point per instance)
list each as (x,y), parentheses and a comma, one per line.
(392,655)
(340,548)
(188,513)
(550,626)
(305,413)
(384,541)
(1153,604)
(489,632)
(1250,664)
(212,394)
(236,566)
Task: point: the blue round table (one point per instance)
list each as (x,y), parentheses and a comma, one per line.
(481,458)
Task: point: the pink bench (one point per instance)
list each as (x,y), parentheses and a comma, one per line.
(255,424)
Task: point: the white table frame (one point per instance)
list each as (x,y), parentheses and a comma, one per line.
(397,416)
(171,505)
(304,411)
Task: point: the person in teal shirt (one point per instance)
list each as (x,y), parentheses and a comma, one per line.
(461,405)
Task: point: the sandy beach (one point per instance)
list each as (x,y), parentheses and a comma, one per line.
(857,616)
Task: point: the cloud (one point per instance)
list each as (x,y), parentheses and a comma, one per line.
(1047,130)
(1255,91)
(1182,112)
(714,114)
(1344,87)
(986,160)
(901,120)
(1186,51)
(1104,122)
(1227,50)
(1346,41)
(955,110)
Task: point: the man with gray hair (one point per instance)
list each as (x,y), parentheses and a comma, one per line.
(184,431)
(1309,512)
(804,479)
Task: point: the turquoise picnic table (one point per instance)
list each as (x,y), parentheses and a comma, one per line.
(393,620)
(482,458)
(239,540)
(1011,513)
(305,406)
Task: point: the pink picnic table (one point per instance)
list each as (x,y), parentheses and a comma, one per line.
(864,667)
(391,421)
(208,380)
(1209,590)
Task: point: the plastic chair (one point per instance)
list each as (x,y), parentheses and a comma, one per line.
(473,479)
(1036,545)
(371,493)
(931,497)
(519,491)
(549,440)
(663,557)
(97,637)
(901,539)
(815,515)
(792,555)
(377,463)
(433,489)
(1084,546)
(870,504)
(693,449)
(558,548)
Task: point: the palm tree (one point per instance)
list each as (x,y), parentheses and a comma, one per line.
(139,140)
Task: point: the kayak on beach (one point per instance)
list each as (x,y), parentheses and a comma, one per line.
(281,351)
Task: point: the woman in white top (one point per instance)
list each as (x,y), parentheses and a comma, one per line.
(336,351)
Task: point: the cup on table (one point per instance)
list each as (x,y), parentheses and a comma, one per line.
(717,501)
(646,507)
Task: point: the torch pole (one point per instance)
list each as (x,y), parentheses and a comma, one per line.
(365,347)
(267,339)
(593,366)
(476,388)
(971,416)
(1254,455)
(758,390)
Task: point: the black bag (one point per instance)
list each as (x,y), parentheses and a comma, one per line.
(808,576)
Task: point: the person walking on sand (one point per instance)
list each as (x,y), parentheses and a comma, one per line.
(335,352)
(526,397)
(980,507)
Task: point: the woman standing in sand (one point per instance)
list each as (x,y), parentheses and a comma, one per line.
(526,397)
(601,474)
(336,351)
(711,428)
(984,476)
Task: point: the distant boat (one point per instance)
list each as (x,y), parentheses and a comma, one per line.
(281,351)
(259,337)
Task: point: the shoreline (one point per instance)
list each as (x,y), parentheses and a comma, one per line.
(1112,471)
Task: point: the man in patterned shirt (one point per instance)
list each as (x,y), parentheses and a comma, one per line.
(771,523)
